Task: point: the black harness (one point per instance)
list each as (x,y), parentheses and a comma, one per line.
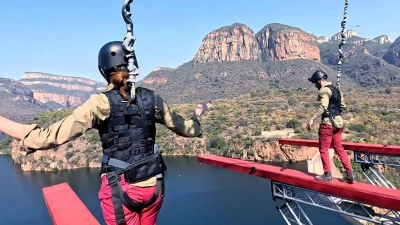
(334,106)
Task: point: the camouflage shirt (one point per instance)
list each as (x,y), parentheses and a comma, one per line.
(323,97)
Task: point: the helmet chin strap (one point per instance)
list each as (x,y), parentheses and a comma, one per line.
(127,46)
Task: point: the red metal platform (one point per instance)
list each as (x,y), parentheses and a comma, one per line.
(365,193)
(359,147)
(65,207)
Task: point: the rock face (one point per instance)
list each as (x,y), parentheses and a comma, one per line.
(352,37)
(63,90)
(51,77)
(18,102)
(383,39)
(282,42)
(65,100)
(392,56)
(230,43)
(156,80)
(274,42)
(322,39)
(348,34)
(80,153)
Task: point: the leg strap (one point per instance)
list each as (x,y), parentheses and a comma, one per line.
(113,180)
(119,197)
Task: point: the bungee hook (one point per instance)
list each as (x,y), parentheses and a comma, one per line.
(127,46)
(342,42)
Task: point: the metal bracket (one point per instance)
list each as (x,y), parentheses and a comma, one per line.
(347,207)
(373,175)
(377,159)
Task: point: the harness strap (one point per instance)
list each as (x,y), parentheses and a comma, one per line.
(132,205)
(113,181)
(140,104)
(115,162)
(119,197)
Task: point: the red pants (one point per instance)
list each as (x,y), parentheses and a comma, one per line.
(326,137)
(147,216)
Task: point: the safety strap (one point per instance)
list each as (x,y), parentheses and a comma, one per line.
(140,104)
(335,129)
(113,181)
(119,197)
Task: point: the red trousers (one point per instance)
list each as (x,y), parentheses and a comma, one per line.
(326,138)
(147,216)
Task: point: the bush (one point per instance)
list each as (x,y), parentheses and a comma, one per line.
(293,124)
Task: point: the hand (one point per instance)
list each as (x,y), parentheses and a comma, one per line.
(310,124)
(201,108)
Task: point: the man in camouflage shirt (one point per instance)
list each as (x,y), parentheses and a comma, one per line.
(331,104)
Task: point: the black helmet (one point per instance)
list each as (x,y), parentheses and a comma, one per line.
(319,74)
(110,56)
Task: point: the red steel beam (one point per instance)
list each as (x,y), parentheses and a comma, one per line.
(361,192)
(65,207)
(357,147)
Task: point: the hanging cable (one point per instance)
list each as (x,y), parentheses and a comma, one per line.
(127,46)
(343,41)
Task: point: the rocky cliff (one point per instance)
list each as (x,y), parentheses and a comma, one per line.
(383,39)
(347,34)
(36,93)
(363,65)
(63,90)
(18,102)
(233,60)
(238,42)
(83,153)
(227,44)
(282,42)
(392,56)
(353,38)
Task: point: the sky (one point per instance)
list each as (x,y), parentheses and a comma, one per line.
(63,37)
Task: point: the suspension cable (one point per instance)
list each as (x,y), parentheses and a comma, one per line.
(343,41)
(127,46)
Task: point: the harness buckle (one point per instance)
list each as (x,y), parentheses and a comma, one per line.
(112,178)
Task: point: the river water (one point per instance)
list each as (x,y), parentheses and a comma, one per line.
(195,194)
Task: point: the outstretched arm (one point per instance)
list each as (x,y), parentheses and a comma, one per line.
(11,128)
(34,137)
(183,127)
